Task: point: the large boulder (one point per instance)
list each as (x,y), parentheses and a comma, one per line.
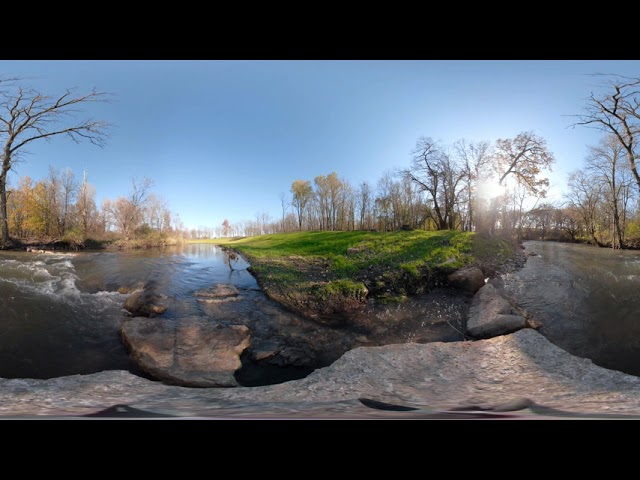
(491,314)
(192,351)
(470,279)
(145,304)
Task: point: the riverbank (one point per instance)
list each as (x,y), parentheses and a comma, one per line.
(327,274)
(113,244)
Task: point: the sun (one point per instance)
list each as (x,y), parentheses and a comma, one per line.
(490,188)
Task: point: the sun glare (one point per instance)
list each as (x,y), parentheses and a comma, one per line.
(490,188)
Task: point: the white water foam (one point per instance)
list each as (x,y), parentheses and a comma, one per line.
(56,278)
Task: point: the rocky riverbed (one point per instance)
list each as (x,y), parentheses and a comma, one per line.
(520,373)
(178,351)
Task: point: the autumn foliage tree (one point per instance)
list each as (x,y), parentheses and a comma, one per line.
(27,116)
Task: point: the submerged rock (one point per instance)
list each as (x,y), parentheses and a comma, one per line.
(491,314)
(192,351)
(220,290)
(470,279)
(501,371)
(145,304)
(214,301)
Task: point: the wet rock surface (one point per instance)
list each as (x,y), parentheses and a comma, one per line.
(470,279)
(491,314)
(283,339)
(515,370)
(193,351)
(146,304)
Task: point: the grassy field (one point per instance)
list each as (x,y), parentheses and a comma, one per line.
(351,252)
(386,265)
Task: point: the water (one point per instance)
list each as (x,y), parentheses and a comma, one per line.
(586,299)
(60,314)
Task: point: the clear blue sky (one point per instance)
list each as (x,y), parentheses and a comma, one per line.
(222,139)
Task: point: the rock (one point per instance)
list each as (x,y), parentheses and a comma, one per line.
(533,323)
(127,289)
(192,351)
(219,300)
(494,373)
(491,314)
(261,355)
(145,304)
(470,279)
(218,291)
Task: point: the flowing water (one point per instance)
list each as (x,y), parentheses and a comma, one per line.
(60,313)
(586,298)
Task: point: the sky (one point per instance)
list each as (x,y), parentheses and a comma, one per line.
(223,139)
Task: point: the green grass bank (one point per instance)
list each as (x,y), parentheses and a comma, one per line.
(321,274)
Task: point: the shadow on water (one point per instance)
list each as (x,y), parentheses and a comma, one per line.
(61,314)
(253,374)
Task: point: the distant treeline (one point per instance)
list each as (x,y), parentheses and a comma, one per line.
(488,187)
(61,206)
(466,186)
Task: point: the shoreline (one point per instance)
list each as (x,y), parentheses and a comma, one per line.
(316,304)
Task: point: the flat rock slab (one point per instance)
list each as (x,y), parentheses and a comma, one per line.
(220,290)
(192,351)
(215,301)
(485,373)
(491,315)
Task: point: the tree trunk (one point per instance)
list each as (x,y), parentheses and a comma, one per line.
(6,161)
(616,225)
(3,209)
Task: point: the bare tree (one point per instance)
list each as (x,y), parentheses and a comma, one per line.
(475,158)
(284,204)
(86,206)
(67,197)
(364,205)
(302,193)
(604,165)
(585,194)
(226,228)
(524,157)
(571,221)
(436,173)
(27,115)
(618,112)
(127,212)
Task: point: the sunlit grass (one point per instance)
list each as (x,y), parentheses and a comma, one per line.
(392,264)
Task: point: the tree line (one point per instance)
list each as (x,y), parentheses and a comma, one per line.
(602,200)
(492,187)
(62,206)
(467,186)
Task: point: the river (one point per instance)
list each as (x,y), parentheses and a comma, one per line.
(586,298)
(60,313)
